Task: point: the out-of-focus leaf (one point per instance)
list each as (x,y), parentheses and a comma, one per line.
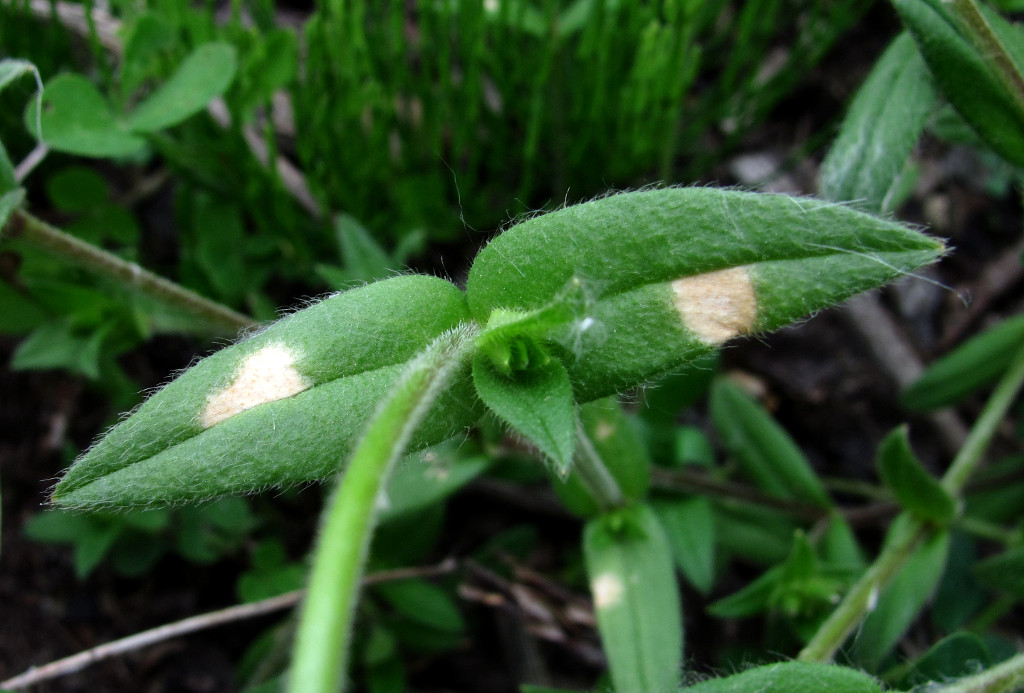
(1004,572)
(205,74)
(636,599)
(18,312)
(956,655)
(78,120)
(8,181)
(968,78)
(884,123)
(424,478)
(9,202)
(57,345)
(975,363)
(764,450)
(901,601)
(689,526)
(424,603)
(960,596)
(916,489)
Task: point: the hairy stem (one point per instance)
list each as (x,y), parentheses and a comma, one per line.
(320,653)
(594,473)
(32,231)
(860,599)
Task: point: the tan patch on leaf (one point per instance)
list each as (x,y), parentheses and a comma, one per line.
(606,589)
(264,376)
(717,306)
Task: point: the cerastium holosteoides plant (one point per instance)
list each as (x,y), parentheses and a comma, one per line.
(559,310)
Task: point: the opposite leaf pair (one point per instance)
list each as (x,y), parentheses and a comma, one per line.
(573,305)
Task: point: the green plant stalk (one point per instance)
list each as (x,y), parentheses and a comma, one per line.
(859,600)
(1002,678)
(969,457)
(985,41)
(320,652)
(594,473)
(28,229)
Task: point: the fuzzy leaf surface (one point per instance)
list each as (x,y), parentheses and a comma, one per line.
(659,269)
(792,677)
(635,599)
(884,123)
(281,407)
(536,402)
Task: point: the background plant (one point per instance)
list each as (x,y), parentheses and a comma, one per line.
(809,569)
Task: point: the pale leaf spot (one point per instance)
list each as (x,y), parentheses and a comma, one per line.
(264,376)
(607,590)
(717,306)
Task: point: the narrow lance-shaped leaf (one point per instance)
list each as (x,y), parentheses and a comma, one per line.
(281,407)
(689,526)
(884,123)
(669,275)
(975,363)
(636,599)
(916,489)
(764,450)
(969,77)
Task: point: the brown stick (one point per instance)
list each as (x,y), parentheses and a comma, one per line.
(77,662)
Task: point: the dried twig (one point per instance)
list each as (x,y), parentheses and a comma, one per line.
(240,612)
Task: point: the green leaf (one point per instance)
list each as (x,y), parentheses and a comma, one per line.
(77,119)
(146,44)
(975,363)
(839,548)
(425,478)
(205,74)
(77,189)
(968,78)
(1004,572)
(792,677)
(904,475)
(764,450)
(669,275)
(689,526)
(635,599)
(537,402)
(58,345)
(881,129)
(423,603)
(281,407)
(20,313)
(365,260)
(901,601)
(956,655)
(8,180)
(220,247)
(11,70)
(9,202)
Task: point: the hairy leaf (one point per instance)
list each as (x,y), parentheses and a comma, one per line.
(668,275)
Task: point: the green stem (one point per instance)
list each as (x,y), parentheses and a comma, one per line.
(30,230)
(1002,678)
(320,653)
(988,45)
(860,599)
(970,455)
(594,474)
